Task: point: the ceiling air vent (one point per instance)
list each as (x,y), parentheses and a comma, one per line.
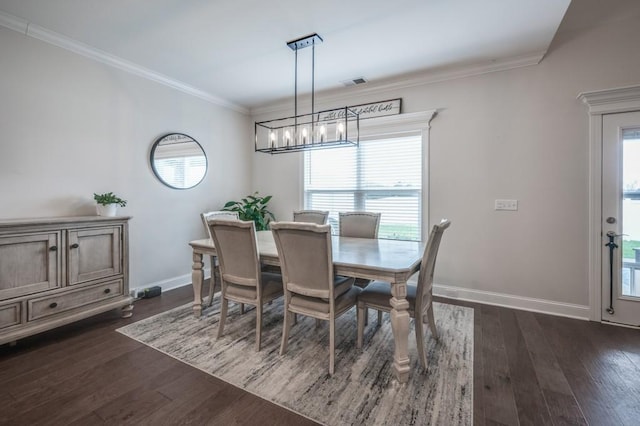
(354,81)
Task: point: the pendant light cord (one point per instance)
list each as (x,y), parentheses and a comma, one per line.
(313,84)
(295,95)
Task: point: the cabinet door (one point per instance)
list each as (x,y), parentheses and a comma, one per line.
(94,253)
(29,263)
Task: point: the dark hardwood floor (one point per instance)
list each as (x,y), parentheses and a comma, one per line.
(529,369)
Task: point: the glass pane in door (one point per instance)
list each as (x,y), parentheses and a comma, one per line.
(631,212)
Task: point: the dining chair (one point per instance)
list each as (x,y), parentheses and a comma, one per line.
(310,286)
(206,216)
(377,295)
(359,224)
(311,216)
(243,280)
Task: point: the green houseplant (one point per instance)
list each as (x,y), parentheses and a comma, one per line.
(252,207)
(107,203)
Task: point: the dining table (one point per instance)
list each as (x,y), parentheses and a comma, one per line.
(393,261)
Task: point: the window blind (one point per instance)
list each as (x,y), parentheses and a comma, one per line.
(380,175)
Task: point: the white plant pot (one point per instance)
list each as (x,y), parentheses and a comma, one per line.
(108,210)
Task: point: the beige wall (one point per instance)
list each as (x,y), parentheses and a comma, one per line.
(517,134)
(70,126)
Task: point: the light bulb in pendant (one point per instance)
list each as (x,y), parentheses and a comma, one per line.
(272,139)
(287,138)
(304,136)
(322,132)
(340,131)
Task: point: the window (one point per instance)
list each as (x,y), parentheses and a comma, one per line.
(383,174)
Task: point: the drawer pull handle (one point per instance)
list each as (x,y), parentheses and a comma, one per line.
(107,290)
(53,305)
(53,248)
(75,245)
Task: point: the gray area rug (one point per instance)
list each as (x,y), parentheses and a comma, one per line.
(362,390)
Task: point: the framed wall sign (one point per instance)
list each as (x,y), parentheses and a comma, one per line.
(370,110)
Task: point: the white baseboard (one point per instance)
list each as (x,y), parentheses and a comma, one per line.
(172,283)
(515,302)
(450,292)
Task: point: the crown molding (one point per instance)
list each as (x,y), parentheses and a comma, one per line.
(609,101)
(67,43)
(427,77)
(13,23)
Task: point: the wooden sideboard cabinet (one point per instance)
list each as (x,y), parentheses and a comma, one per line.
(54,271)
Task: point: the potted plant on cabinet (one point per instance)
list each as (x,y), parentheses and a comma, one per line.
(107,203)
(252,207)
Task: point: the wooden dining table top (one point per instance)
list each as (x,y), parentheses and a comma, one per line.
(368,258)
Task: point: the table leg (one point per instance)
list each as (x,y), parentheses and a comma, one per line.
(400,326)
(197,276)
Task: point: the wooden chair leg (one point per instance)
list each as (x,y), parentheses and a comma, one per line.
(379,318)
(223,315)
(212,281)
(258,325)
(318,323)
(332,344)
(295,318)
(432,322)
(360,322)
(420,342)
(242,309)
(366,316)
(285,331)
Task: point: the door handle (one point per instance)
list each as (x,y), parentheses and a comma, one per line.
(611,245)
(612,234)
(611,220)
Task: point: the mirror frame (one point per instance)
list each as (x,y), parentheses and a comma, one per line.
(153,165)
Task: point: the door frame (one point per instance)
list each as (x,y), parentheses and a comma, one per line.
(601,102)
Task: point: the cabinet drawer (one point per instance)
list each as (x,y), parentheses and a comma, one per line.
(10,314)
(51,305)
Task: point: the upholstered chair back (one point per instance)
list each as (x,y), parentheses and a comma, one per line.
(427,268)
(305,258)
(216,214)
(359,224)
(318,217)
(237,248)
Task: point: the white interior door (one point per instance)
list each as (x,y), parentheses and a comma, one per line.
(621,218)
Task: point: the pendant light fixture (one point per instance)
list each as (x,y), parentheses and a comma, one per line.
(322,129)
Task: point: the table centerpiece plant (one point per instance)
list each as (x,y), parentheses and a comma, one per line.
(252,207)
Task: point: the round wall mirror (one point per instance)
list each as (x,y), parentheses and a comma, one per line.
(178,161)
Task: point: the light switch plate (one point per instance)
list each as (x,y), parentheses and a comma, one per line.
(506,205)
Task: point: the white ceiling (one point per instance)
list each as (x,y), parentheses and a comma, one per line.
(235,50)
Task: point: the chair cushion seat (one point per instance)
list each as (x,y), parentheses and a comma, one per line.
(322,305)
(379,293)
(271,285)
(362,282)
(341,285)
